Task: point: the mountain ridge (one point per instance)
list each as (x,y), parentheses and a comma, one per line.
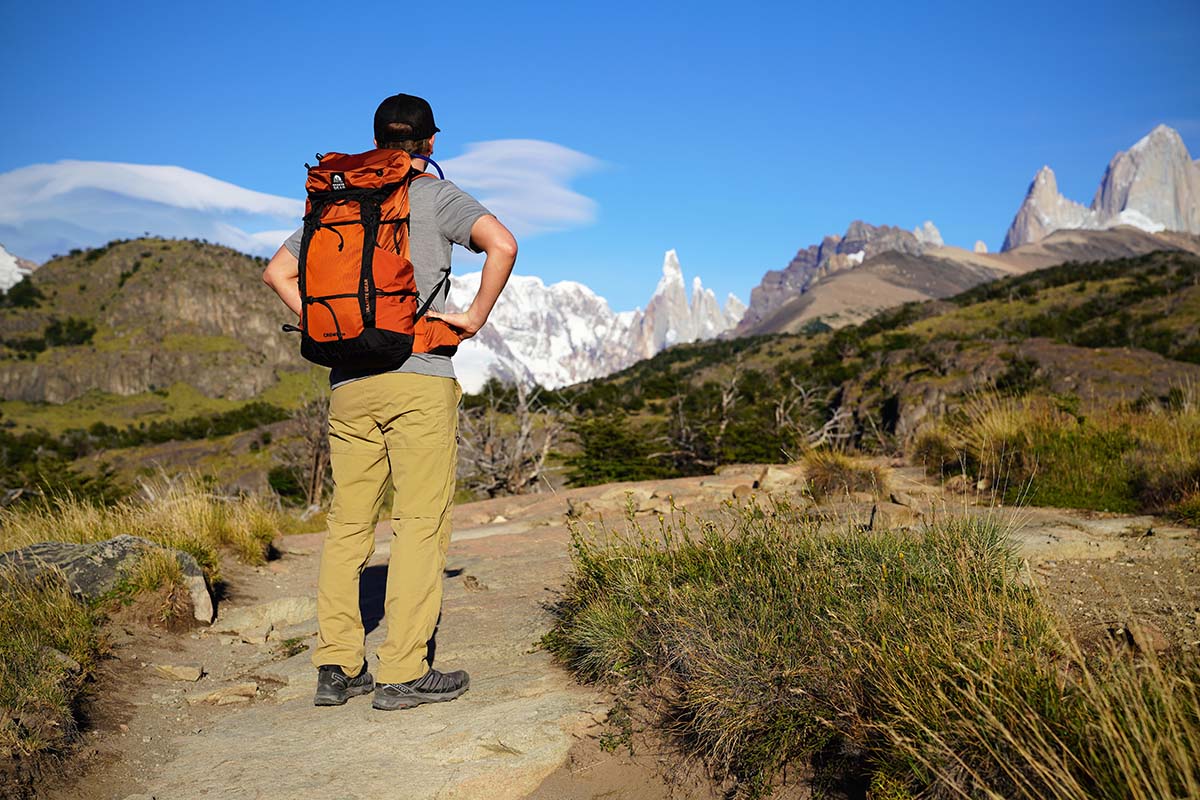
(1154,185)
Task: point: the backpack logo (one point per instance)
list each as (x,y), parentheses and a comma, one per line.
(338,181)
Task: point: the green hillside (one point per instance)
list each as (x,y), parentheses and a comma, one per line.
(190,322)
(1090,334)
(138,317)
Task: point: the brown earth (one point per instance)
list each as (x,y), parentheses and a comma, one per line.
(525,729)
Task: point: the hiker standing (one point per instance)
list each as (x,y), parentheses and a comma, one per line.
(378,320)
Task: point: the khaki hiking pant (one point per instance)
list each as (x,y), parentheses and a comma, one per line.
(401,428)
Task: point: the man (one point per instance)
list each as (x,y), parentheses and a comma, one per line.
(401,426)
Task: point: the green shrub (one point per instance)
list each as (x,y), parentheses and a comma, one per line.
(1042,451)
(610,450)
(69,332)
(922,664)
(22,294)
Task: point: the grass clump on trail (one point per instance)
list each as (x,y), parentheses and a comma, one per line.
(906,665)
(832,475)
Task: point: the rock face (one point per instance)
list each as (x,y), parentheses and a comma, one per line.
(12,269)
(1155,186)
(928,234)
(93,569)
(670,319)
(164,312)
(835,254)
(565,333)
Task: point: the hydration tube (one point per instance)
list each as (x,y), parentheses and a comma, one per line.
(429,160)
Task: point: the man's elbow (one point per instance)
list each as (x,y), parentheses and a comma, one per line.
(504,247)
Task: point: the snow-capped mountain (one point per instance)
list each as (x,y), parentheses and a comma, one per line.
(1155,186)
(565,333)
(12,269)
(670,319)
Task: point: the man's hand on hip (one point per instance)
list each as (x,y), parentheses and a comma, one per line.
(462,323)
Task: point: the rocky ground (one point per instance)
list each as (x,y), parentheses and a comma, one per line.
(225,711)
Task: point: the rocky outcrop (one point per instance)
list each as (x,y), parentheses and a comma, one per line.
(835,254)
(163,311)
(1155,186)
(670,319)
(94,569)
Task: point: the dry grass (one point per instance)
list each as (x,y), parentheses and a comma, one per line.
(1127,458)
(919,665)
(38,695)
(39,691)
(181,514)
(832,475)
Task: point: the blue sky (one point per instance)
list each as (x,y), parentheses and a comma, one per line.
(733,133)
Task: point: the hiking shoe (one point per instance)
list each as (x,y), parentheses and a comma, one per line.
(335,687)
(432,687)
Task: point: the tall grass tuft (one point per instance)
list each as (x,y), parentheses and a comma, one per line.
(922,665)
(42,628)
(182,514)
(1142,456)
(832,475)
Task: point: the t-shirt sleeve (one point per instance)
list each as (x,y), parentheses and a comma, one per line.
(457,212)
(293,242)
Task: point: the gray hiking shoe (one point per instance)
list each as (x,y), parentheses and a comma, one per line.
(335,687)
(432,687)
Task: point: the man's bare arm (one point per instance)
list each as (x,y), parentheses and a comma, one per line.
(489,235)
(283,275)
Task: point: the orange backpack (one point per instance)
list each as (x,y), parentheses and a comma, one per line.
(361,309)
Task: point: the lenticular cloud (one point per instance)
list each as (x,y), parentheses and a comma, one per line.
(524,182)
(46,209)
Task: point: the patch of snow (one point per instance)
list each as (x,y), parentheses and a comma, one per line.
(1137,219)
(856,258)
(11,271)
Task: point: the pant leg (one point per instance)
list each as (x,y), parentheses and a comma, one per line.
(422,444)
(358,458)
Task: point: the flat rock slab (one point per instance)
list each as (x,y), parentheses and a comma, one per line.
(500,740)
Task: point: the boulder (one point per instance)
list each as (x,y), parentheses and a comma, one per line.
(256,622)
(777,479)
(93,569)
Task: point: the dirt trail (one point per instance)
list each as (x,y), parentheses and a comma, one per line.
(524,723)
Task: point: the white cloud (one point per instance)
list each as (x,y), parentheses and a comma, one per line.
(524,182)
(51,208)
(42,184)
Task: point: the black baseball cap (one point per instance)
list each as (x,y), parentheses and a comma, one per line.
(402,117)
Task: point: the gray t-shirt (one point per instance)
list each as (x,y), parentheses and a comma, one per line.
(440,216)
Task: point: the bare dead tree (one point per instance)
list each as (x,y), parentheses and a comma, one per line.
(505,453)
(796,408)
(696,442)
(306,455)
(730,392)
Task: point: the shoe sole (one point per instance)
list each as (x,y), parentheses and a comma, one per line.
(414,700)
(335,700)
